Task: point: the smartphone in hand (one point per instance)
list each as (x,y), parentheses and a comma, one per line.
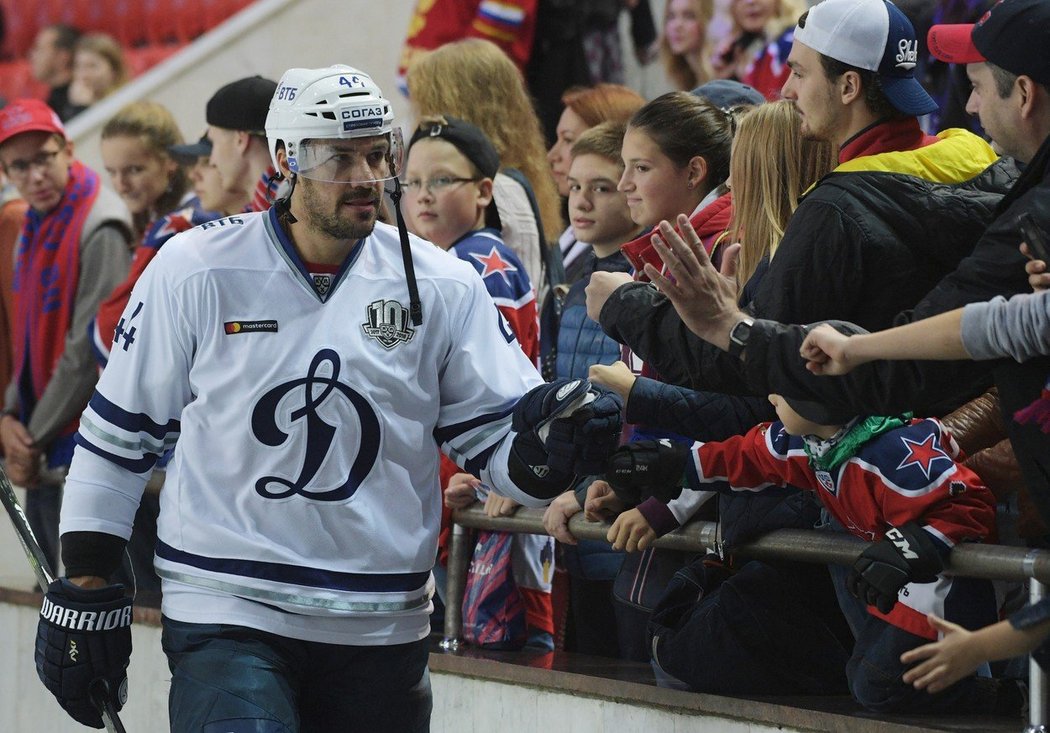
(1033,236)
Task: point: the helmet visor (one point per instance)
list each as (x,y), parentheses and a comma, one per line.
(361,160)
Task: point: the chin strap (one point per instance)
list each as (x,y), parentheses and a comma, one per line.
(415,308)
(284,204)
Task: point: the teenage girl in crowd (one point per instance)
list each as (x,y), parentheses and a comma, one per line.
(676,158)
(584,108)
(154,187)
(682,45)
(757,48)
(475,81)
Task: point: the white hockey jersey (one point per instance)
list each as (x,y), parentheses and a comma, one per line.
(303,495)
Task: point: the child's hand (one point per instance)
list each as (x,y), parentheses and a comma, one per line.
(631,532)
(499,506)
(556,518)
(1038,277)
(945,662)
(602,503)
(826,351)
(461,491)
(616,376)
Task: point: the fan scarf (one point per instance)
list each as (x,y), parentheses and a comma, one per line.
(45,282)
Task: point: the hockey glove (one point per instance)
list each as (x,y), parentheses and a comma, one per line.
(905,555)
(647,468)
(577,423)
(83,646)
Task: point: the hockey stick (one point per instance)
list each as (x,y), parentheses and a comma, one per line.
(44,577)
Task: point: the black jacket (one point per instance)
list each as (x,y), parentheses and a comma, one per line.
(995,267)
(863,245)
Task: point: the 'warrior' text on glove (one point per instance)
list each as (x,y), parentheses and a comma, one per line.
(83,646)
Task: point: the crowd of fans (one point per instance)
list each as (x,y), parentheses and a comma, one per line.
(667,249)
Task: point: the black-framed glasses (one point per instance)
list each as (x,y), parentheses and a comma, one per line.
(22,168)
(434,185)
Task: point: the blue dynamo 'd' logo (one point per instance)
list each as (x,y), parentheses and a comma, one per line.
(316,389)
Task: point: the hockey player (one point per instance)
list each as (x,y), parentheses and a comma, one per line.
(307,364)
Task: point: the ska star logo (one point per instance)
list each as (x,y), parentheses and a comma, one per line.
(493,263)
(923,454)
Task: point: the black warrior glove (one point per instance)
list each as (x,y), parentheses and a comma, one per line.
(647,468)
(565,428)
(83,646)
(904,555)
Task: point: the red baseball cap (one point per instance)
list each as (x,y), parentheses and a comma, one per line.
(28,115)
(1010,35)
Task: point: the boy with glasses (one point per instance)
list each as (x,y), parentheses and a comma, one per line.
(449,200)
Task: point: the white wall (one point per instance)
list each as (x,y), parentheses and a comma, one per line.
(461,704)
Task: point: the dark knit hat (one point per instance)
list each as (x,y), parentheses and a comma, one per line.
(819,412)
(242,105)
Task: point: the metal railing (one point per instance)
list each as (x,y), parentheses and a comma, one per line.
(994,562)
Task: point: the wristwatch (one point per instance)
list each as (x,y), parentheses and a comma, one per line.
(738,337)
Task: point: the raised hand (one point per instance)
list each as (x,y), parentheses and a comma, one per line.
(704,298)
(600,287)
(616,376)
(827,352)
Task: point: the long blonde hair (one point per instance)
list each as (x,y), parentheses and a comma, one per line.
(679,71)
(770,168)
(474,80)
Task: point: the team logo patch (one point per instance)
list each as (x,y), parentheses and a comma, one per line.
(387,322)
(304,403)
(322,283)
(234,327)
(825,480)
(923,454)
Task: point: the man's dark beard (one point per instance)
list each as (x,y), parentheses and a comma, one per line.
(331,223)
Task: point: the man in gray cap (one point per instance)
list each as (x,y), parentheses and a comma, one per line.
(236,116)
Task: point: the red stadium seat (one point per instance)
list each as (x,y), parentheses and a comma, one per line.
(145,57)
(160,27)
(16,81)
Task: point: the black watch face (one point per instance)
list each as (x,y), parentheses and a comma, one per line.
(740,333)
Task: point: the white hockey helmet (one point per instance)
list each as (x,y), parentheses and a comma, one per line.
(313,107)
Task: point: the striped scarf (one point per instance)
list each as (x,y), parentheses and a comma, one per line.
(45,281)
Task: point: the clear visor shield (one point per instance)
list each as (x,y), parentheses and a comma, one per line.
(363,160)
